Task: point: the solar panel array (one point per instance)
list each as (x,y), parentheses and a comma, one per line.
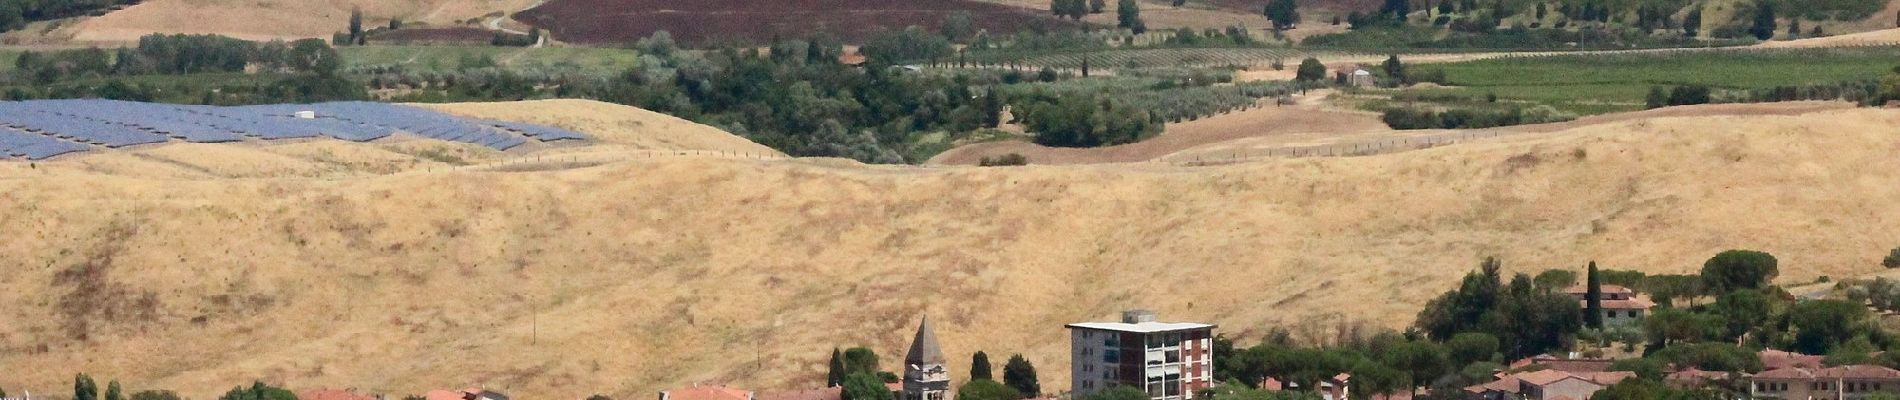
(41,129)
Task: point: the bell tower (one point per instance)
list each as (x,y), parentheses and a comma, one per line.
(925,375)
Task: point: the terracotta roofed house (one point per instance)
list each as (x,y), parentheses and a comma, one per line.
(334,394)
(1620,304)
(464,394)
(697,392)
(1548,384)
(1850,382)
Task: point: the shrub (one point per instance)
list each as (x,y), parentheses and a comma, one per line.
(1892,260)
(1006,160)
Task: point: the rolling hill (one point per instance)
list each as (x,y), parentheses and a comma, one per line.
(629,276)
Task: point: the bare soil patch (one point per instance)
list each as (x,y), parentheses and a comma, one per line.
(624,21)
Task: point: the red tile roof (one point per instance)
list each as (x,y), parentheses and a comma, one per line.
(1581,289)
(444,395)
(1632,303)
(1544,377)
(1859,372)
(1505,384)
(1786,373)
(697,392)
(1777,359)
(333,394)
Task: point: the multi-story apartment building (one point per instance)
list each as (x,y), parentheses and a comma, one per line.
(1168,360)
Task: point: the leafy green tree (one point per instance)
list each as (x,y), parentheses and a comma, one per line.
(1668,325)
(1097,6)
(1525,321)
(1019,374)
(1223,357)
(980,367)
(1593,297)
(1554,280)
(1127,14)
(258,391)
(84,388)
(1471,347)
(1741,311)
(1285,14)
(865,386)
(1311,70)
(1657,98)
(985,389)
(1820,325)
(1423,361)
(156,395)
(1892,260)
(1858,350)
(1396,10)
(1711,356)
(113,392)
(1646,368)
(958,26)
(834,376)
(1737,270)
(1764,27)
(860,360)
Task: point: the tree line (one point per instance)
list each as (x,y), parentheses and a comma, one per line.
(15,14)
(308,70)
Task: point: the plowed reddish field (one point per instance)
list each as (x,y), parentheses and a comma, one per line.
(624,21)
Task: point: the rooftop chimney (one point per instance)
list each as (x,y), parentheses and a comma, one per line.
(1137,316)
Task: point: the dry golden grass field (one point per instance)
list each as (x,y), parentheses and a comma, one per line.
(563,280)
(274,19)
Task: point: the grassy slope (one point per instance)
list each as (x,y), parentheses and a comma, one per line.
(1593,84)
(631,277)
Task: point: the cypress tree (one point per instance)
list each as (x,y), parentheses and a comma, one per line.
(112,391)
(1593,298)
(1692,23)
(1764,28)
(980,367)
(835,377)
(356,25)
(84,388)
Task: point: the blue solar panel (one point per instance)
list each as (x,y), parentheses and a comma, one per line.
(47,128)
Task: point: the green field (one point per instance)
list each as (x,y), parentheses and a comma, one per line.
(598,60)
(1214,57)
(1596,84)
